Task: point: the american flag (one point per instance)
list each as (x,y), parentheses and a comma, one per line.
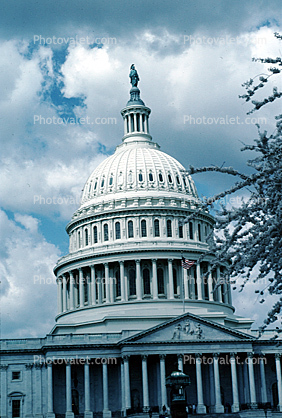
(186,264)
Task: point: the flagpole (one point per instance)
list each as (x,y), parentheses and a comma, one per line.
(183,290)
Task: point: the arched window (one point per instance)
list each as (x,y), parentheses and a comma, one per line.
(118,293)
(168,228)
(169,178)
(117,228)
(95,234)
(143,228)
(106,232)
(86,237)
(151,178)
(130,179)
(160,276)
(156,228)
(161,177)
(95,186)
(177,179)
(184,181)
(199,232)
(140,177)
(85,285)
(111,180)
(175,287)
(79,239)
(130,229)
(146,282)
(102,182)
(191,230)
(132,282)
(180,229)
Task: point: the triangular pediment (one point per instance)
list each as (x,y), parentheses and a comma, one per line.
(188,327)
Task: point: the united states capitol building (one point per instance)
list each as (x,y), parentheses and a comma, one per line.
(129,314)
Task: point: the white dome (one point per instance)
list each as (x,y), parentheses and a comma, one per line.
(138,167)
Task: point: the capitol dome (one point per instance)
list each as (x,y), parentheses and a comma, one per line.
(128,238)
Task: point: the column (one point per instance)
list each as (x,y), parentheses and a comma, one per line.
(170,279)
(162,375)
(38,390)
(129,123)
(180,362)
(218,408)
(235,405)
(125,125)
(146,124)
(69,413)
(279,380)
(127,382)
(3,399)
(87,412)
(123,409)
(111,285)
(71,291)
(107,282)
(64,293)
(93,286)
(50,412)
(210,287)
(154,279)
(211,383)
(186,284)
(135,122)
(122,283)
(199,281)
(106,412)
(59,295)
(99,286)
(138,280)
(262,379)
(81,288)
(75,290)
(252,381)
(29,392)
(201,409)
(219,292)
(145,384)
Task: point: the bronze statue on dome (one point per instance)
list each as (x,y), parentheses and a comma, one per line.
(133,75)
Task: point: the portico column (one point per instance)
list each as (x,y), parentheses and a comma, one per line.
(64,293)
(154,279)
(38,391)
(122,284)
(218,408)
(145,384)
(138,281)
(93,286)
(235,405)
(69,413)
(106,412)
(162,375)
(201,409)
(219,292)
(71,291)
(3,369)
(127,382)
(87,412)
(279,380)
(107,282)
(210,287)
(50,412)
(252,381)
(262,379)
(170,279)
(81,288)
(123,409)
(199,282)
(180,362)
(59,295)
(28,388)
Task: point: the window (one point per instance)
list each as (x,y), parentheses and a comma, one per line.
(140,177)
(180,230)
(161,177)
(157,228)
(130,229)
(177,179)
(117,227)
(95,234)
(89,187)
(146,282)
(191,230)
(199,232)
(132,282)
(106,232)
(169,178)
(86,237)
(16,408)
(95,186)
(160,276)
(118,292)
(16,375)
(111,180)
(184,181)
(151,178)
(175,281)
(168,228)
(85,279)
(102,182)
(130,178)
(143,228)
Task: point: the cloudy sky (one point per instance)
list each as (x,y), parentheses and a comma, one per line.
(65,60)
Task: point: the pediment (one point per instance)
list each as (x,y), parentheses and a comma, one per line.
(188,328)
